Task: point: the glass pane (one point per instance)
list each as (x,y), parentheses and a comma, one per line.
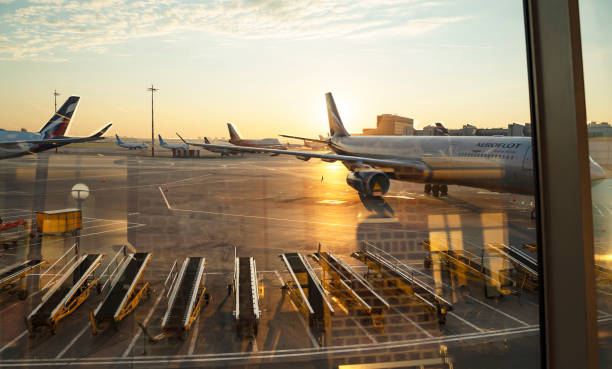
(411,244)
(595,16)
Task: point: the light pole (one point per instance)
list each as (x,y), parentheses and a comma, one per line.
(153,90)
(55,95)
(79,192)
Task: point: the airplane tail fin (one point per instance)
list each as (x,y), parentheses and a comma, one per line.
(59,122)
(118,139)
(206,140)
(335,123)
(441,129)
(234,134)
(161,140)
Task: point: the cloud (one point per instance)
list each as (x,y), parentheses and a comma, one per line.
(42,29)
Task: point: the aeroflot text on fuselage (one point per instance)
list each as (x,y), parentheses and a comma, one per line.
(499,144)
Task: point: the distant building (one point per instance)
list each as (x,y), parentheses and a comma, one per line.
(603,129)
(391,125)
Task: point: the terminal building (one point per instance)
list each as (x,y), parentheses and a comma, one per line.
(391,125)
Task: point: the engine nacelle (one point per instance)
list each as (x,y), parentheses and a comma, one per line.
(369,182)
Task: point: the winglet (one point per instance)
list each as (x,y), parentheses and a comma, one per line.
(103,130)
(182,139)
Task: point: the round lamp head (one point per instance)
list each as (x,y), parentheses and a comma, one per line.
(80,191)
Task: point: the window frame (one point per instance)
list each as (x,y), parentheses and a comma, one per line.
(568,306)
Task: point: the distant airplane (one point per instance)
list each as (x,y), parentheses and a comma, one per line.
(502,164)
(269,143)
(131,145)
(16,143)
(166,145)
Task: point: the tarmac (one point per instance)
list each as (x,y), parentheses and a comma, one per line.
(263,206)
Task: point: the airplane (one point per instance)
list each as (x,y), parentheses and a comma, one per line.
(19,143)
(131,145)
(166,145)
(269,143)
(501,164)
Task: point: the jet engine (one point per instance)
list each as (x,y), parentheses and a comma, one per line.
(369,182)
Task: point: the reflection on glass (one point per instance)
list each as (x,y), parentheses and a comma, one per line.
(596,41)
(403,255)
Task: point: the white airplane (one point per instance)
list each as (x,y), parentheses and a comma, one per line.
(502,164)
(16,143)
(236,139)
(166,145)
(131,145)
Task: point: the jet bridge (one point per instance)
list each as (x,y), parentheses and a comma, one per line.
(351,287)
(186,298)
(10,277)
(399,278)
(66,294)
(246,296)
(125,293)
(305,290)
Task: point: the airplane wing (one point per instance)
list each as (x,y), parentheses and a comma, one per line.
(306,139)
(64,140)
(418,166)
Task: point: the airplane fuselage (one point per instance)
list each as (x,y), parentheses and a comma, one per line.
(494,163)
(268,143)
(14,150)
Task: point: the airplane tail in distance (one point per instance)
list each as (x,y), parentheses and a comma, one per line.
(59,122)
(234,135)
(161,140)
(441,129)
(206,141)
(335,123)
(118,139)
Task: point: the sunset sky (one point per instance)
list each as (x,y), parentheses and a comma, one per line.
(265,65)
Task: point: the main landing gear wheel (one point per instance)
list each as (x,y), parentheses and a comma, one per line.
(428,188)
(444,190)
(435,190)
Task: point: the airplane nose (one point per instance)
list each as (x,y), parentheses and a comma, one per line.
(597,172)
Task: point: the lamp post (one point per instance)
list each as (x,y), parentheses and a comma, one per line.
(55,95)
(153,90)
(79,192)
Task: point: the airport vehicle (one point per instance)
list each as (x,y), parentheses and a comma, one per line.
(269,143)
(502,164)
(131,145)
(19,143)
(246,296)
(12,277)
(126,291)
(166,145)
(66,294)
(59,221)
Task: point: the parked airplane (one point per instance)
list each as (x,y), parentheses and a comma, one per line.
(131,145)
(502,164)
(270,143)
(17,143)
(166,145)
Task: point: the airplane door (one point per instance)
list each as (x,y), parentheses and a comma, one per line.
(528,160)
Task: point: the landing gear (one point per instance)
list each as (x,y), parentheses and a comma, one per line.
(444,190)
(436,190)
